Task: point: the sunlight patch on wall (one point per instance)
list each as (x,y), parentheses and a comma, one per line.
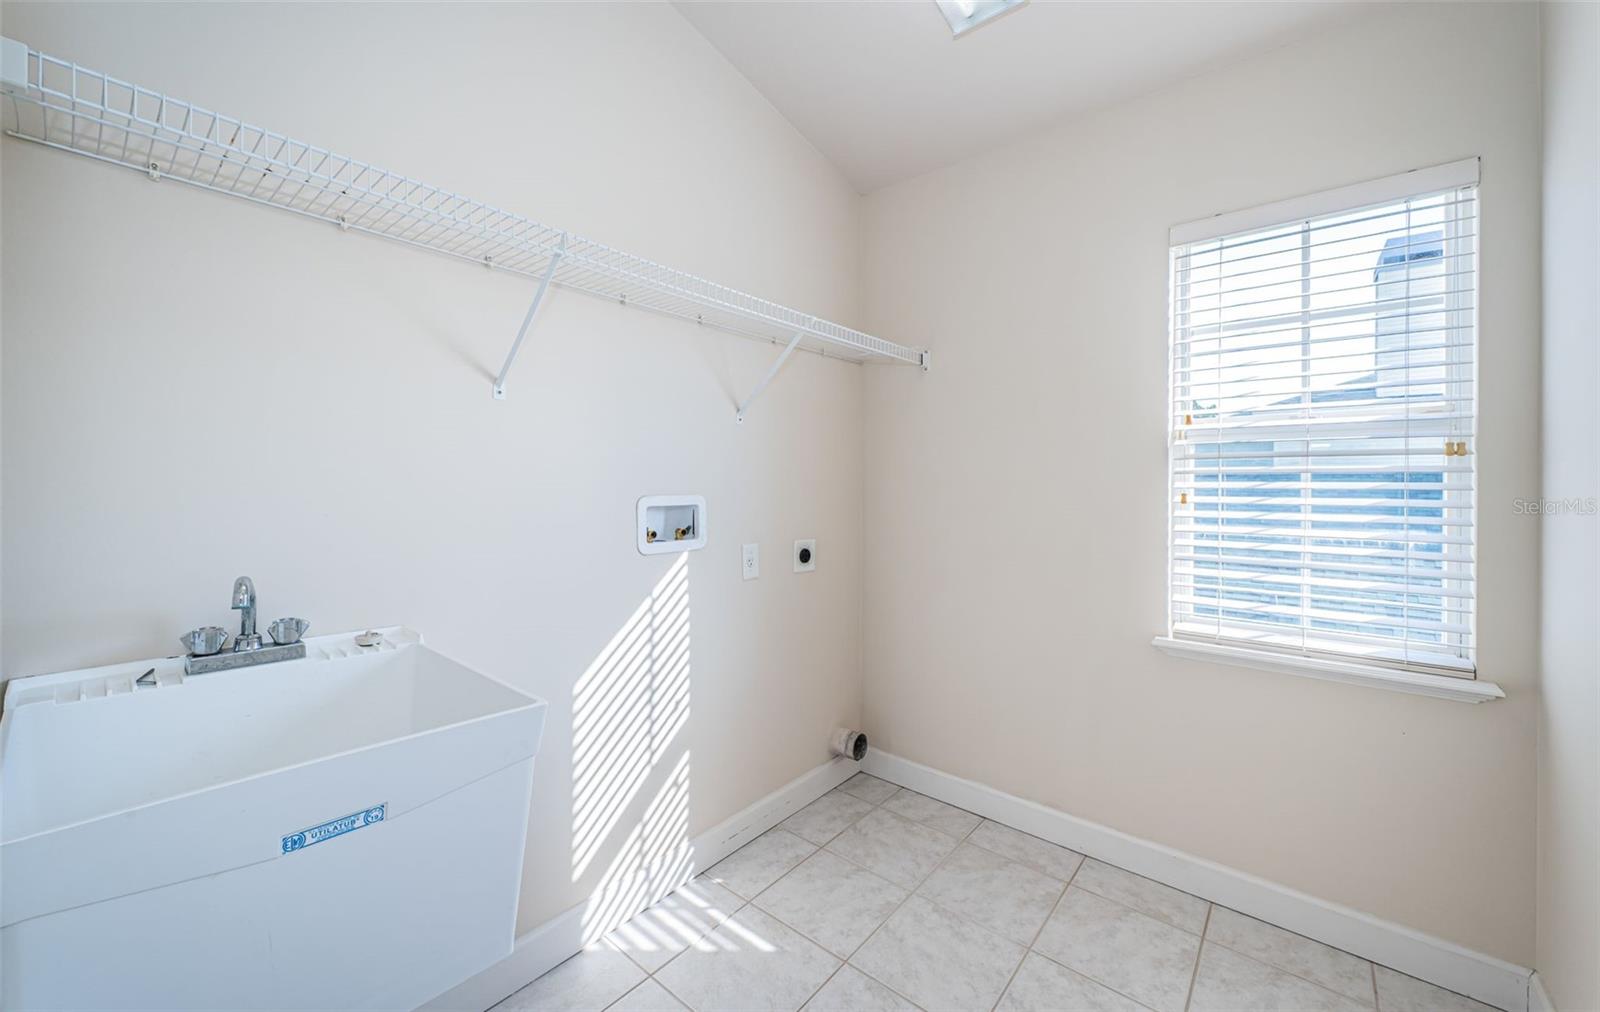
(630,774)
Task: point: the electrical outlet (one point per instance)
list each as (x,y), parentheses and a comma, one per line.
(752,561)
(805,555)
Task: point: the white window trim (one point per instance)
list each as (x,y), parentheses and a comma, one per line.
(1462,690)
(1465,172)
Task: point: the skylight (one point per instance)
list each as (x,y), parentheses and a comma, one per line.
(965,15)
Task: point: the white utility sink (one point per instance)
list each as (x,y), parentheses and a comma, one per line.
(342,831)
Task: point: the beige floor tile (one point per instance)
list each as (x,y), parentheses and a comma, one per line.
(826,817)
(931,813)
(939,960)
(1148,960)
(1400,993)
(850,990)
(869,789)
(1040,855)
(666,929)
(993,891)
(760,862)
(1043,986)
(901,851)
(750,962)
(1147,896)
(1229,982)
(588,982)
(1339,971)
(648,997)
(832,902)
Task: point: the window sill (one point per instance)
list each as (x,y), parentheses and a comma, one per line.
(1462,690)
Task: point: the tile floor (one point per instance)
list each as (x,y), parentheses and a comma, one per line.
(874,897)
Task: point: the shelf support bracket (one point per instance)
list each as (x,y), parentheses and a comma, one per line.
(527,321)
(794,342)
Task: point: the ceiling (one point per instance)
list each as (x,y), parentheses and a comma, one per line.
(883,90)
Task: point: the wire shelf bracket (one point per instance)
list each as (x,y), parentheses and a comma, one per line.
(527,321)
(788,350)
(56,103)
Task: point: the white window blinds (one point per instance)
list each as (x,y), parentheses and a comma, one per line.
(1322,406)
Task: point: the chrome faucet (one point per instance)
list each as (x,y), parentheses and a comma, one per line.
(248,650)
(244,602)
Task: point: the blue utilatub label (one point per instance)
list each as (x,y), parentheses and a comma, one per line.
(333,827)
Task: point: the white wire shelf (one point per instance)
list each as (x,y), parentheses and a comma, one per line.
(59,104)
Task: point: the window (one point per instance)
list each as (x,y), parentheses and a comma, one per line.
(965,15)
(1322,457)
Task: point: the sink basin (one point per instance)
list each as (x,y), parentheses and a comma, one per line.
(344,830)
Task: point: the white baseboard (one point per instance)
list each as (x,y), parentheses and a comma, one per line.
(561,937)
(541,949)
(1538,997)
(1446,964)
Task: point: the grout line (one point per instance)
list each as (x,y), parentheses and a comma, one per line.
(690,946)
(642,983)
(688,943)
(835,836)
(1199,951)
(825,983)
(902,818)
(750,902)
(1373,965)
(913,891)
(662,985)
(904,900)
(1093,980)
(909,892)
(881,924)
(1147,913)
(920,882)
(1028,949)
(1017,860)
(625,953)
(801,932)
(1071,883)
(1290,973)
(846,961)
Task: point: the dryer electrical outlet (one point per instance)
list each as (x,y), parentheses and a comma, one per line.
(805,555)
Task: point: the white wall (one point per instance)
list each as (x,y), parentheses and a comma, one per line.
(196,388)
(1569,712)
(1016,509)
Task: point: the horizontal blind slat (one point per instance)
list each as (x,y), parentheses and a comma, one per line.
(1454,203)
(1399,625)
(1323,563)
(1186,545)
(1328,629)
(1225,581)
(1214,380)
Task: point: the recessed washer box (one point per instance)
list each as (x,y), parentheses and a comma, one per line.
(671,523)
